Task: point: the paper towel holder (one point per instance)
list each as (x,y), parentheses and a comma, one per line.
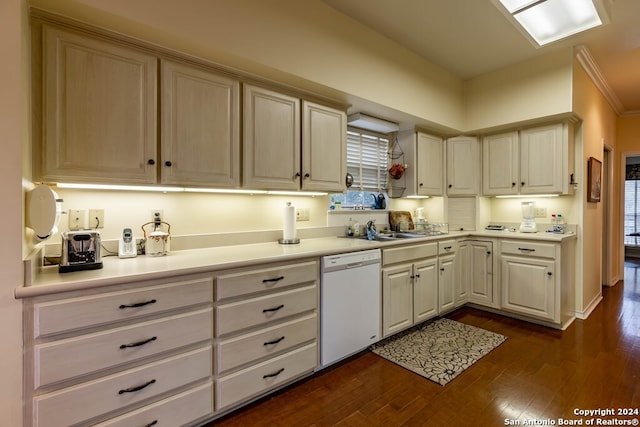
(289,241)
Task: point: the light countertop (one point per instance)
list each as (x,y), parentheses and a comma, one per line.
(117,271)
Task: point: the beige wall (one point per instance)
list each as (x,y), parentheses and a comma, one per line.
(13,79)
(304,43)
(598,128)
(536,88)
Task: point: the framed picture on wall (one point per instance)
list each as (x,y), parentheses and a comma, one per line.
(594,179)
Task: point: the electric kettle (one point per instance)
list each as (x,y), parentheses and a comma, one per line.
(157,241)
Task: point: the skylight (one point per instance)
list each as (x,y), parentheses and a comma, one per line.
(547,21)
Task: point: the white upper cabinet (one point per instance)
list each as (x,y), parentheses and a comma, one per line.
(100,106)
(424,154)
(543,159)
(500,160)
(324,148)
(200,127)
(535,160)
(279,156)
(463,166)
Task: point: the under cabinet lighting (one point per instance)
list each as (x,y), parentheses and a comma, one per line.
(415,196)
(546,21)
(527,196)
(159,189)
(119,187)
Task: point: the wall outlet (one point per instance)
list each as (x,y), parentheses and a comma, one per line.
(77,219)
(540,212)
(302,214)
(157,214)
(96,218)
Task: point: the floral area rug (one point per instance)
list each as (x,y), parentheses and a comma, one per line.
(439,350)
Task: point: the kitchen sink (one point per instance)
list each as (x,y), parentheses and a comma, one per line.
(386,237)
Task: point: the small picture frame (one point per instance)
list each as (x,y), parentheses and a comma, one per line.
(594,180)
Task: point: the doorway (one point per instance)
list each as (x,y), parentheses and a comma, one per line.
(607,191)
(631,205)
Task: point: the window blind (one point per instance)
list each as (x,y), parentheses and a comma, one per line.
(367,159)
(631,212)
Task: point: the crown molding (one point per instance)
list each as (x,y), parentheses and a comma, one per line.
(591,67)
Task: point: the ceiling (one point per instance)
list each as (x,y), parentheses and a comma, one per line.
(472,37)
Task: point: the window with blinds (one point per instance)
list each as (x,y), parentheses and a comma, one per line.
(367,160)
(632,212)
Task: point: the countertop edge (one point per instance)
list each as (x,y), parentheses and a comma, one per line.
(200,261)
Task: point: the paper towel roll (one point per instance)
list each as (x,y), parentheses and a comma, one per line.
(289,228)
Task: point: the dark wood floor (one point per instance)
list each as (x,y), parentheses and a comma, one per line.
(536,374)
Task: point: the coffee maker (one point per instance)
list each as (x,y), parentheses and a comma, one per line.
(528,224)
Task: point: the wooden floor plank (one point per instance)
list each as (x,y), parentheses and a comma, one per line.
(537,373)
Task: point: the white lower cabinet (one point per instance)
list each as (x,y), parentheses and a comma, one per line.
(409,290)
(537,280)
(121,355)
(529,286)
(476,266)
(266,329)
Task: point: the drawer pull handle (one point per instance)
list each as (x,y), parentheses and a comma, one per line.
(268,310)
(275,374)
(276,341)
(152,423)
(526,250)
(447,248)
(276,279)
(138,388)
(139,343)
(138,304)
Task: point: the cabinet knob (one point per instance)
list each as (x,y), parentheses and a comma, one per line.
(306,175)
(421,184)
(522,183)
(450,185)
(488,252)
(442,269)
(151,162)
(298,175)
(167,163)
(549,274)
(513,184)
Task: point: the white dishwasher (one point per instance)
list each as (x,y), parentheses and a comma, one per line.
(350,304)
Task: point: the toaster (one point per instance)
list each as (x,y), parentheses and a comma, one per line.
(80,251)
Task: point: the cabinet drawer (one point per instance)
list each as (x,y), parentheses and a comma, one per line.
(447,247)
(237,351)
(527,248)
(177,410)
(94,398)
(264,376)
(244,282)
(69,358)
(75,313)
(409,253)
(257,311)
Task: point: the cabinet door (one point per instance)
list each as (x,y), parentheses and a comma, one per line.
(463,165)
(463,270)
(200,127)
(500,171)
(446,283)
(397,299)
(541,159)
(271,151)
(481,273)
(425,290)
(528,286)
(429,165)
(324,148)
(99,111)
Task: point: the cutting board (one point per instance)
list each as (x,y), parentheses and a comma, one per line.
(396,217)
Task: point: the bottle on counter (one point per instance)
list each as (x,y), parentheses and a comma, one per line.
(350,227)
(356,229)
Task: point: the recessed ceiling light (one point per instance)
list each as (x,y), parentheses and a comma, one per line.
(546,21)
